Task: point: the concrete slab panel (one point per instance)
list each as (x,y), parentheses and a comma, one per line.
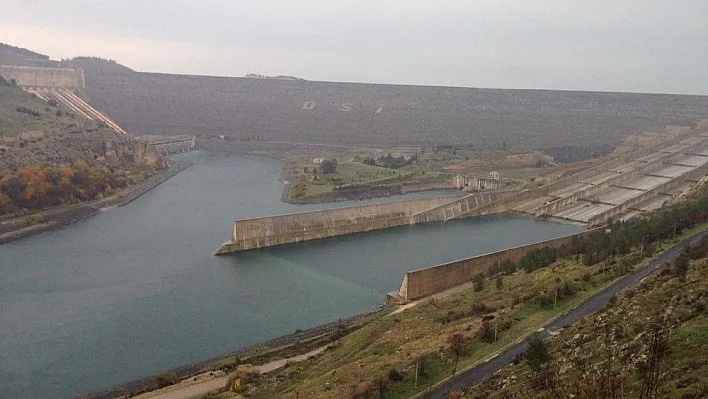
(616,195)
(644,183)
(671,171)
(679,189)
(691,160)
(651,157)
(565,192)
(654,203)
(530,207)
(674,148)
(597,179)
(698,151)
(630,215)
(693,140)
(627,167)
(582,211)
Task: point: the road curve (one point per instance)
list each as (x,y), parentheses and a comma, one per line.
(477,374)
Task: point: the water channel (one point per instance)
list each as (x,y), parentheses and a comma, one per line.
(135,291)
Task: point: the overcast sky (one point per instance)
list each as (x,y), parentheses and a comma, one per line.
(615,45)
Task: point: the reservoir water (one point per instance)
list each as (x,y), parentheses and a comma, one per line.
(135,291)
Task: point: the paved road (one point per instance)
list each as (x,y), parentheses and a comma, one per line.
(478,373)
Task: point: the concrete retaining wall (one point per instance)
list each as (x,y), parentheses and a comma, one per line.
(64,78)
(463,206)
(431,280)
(285,229)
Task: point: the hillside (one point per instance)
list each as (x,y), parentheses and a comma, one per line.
(50,156)
(651,341)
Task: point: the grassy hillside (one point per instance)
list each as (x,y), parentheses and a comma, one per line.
(660,326)
(50,117)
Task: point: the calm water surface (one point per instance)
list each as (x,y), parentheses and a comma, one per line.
(135,290)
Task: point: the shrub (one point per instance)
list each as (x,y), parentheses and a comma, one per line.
(328,166)
(457,343)
(395,375)
(167,379)
(25,110)
(486,332)
(479,282)
(537,355)
(480,308)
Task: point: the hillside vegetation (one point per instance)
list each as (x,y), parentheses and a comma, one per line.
(648,343)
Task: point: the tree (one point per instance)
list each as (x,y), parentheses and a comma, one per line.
(537,354)
(479,282)
(328,166)
(13,187)
(381,384)
(681,267)
(457,343)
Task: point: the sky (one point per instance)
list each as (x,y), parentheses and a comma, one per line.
(603,45)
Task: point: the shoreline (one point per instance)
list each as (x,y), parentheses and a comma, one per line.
(53,219)
(292,340)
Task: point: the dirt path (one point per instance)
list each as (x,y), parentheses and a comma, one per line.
(201,384)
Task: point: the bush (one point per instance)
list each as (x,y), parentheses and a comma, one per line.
(167,379)
(537,355)
(479,282)
(328,166)
(25,110)
(681,267)
(486,332)
(52,102)
(395,375)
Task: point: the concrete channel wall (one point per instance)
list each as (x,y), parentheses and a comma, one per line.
(431,280)
(613,181)
(65,78)
(603,217)
(457,207)
(509,201)
(285,229)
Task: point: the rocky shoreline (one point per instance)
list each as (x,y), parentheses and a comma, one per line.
(26,226)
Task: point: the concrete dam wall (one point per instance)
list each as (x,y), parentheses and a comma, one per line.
(430,280)
(63,78)
(285,229)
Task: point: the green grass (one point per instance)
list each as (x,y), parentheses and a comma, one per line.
(13,123)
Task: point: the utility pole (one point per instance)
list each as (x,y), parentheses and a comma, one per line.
(555,298)
(415,384)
